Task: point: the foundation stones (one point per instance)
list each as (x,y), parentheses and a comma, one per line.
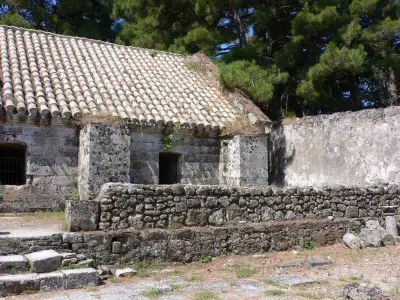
(351,241)
(12,262)
(76,278)
(44,261)
(391,225)
(50,281)
(126,272)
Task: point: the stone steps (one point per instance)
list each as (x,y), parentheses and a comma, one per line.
(39,271)
(36,282)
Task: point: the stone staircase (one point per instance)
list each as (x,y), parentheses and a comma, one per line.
(45,271)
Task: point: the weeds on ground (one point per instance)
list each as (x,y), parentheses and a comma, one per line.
(195,278)
(243,271)
(63,226)
(206,259)
(273,283)
(144,267)
(113,279)
(153,293)
(351,279)
(274,292)
(45,215)
(175,225)
(205,295)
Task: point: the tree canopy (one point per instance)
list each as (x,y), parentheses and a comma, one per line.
(291,57)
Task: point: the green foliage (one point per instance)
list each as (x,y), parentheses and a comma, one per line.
(275,292)
(205,259)
(74,195)
(153,292)
(308,243)
(205,295)
(170,134)
(243,271)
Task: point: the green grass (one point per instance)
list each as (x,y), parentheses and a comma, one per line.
(113,279)
(351,279)
(144,267)
(274,292)
(45,215)
(205,259)
(243,271)
(273,283)
(175,225)
(195,278)
(205,295)
(153,293)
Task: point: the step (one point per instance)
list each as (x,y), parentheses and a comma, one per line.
(13,263)
(35,282)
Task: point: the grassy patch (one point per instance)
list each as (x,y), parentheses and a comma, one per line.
(274,292)
(113,279)
(175,225)
(307,295)
(243,271)
(205,259)
(351,279)
(63,226)
(195,278)
(205,295)
(273,283)
(45,215)
(153,293)
(144,267)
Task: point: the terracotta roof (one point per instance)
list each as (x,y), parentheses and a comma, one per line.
(57,76)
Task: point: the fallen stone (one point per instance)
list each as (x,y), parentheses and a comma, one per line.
(69,261)
(351,241)
(292,280)
(387,239)
(16,284)
(355,291)
(44,261)
(126,272)
(288,266)
(76,278)
(373,224)
(87,263)
(391,225)
(68,255)
(104,270)
(370,237)
(12,263)
(317,262)
(80,256)
(50,281)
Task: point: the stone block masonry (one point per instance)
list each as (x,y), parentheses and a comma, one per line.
(51,167)
(124,206)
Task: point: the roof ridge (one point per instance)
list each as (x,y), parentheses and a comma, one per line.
(93,40)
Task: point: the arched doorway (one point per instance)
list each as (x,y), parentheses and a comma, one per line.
(12,163)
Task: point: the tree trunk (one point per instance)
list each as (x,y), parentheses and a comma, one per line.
(392,88)
(241,29)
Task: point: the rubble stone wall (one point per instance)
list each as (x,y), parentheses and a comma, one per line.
(351,149)
(149,206)
(51,167)
(185,244)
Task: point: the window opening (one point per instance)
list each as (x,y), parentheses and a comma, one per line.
(12,164)
(168,168)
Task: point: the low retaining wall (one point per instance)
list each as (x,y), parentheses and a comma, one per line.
(186,244)
(121,206)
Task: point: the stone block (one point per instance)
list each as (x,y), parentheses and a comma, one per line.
(126,272)
(351,212)
(82,215)
(12,263)
(44,261)
(76,278)
(50,281)
(16,284)
(292,280)
(196,217)
(351,241)
(317,262)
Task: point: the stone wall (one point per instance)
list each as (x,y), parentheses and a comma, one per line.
(185,244)
(104,156)
(51,167)
(244,161)
(350,149)
(198,161)
(148,206)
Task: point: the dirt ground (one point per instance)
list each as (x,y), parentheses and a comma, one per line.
(34,221)
(252,277)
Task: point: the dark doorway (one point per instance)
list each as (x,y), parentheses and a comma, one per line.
(168,168)
(12,164)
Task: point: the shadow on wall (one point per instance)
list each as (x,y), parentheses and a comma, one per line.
(279,157)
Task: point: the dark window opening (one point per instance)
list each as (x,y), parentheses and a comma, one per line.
(168,168)
(12,164)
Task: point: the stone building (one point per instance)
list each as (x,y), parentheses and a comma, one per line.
(77,113)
